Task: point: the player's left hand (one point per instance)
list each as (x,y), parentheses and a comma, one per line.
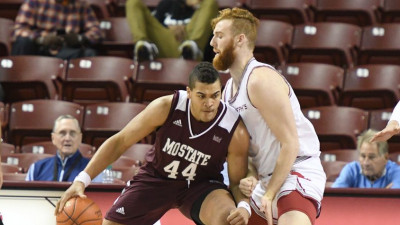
(238,216)
(266,207)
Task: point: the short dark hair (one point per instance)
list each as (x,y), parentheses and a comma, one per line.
(203,72)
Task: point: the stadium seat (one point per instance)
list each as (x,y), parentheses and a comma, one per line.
(378,120)
(315,84)
(4,113)
(332,169)
(48,147)
(98,79)
(118,39)
(325,42)
(103,120)
(357,12)
(337,127)
(7,148)
(293,12)
(222,4)
(380,44)
(125,173)
(346,155)
(24,160)
(371,87)
(9,8)
(138,152)
(6,28)
(163,76)
(33,120)
(17,177)
(8,168)
(122,162)
(30,77)
(390,11)
(119,6)
(273,49)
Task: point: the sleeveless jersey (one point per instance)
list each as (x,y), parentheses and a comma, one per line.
(264,146)
(186,149)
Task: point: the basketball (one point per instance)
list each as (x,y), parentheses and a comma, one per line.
(80,211)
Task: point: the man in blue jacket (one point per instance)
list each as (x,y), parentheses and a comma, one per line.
(68,162)
(373,170)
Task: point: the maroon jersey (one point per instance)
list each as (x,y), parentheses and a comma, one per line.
(187,149)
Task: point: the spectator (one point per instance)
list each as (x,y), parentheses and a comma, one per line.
(176,28)
(374,169)
(68,162)
(61,28)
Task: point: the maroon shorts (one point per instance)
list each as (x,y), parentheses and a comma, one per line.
(147,198)
(290,202)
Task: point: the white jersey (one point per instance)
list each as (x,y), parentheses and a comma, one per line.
(265,147)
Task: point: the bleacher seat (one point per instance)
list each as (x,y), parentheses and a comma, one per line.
(337,127)
(291,11)
(103,120)
(345,155)
(98,79)
(357,12)
(24,160)
(9,8)
(31,77)
(47,147)
(378,119)
(373,86)
(380,44)
(138,152)
(390,11)
(118,39)
(33,120)
(273,49)
(325,42)
(315,84)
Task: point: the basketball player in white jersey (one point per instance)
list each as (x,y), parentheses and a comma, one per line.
(392,128)
(284,146)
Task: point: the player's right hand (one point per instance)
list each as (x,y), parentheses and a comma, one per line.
(238,216)
(247,185)
(76,189)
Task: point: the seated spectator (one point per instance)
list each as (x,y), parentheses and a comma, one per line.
(374,169)
(392,128)
(68,162)
(61,28)
(176,28)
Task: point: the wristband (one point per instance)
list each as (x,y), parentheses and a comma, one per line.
(245,205)
(84,178)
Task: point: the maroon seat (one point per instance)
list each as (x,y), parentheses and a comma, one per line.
(371,87)
(293,12)
(161,77)
(9,8)
(390,11)
(273,49)
(357,12)
(337,127)
(31,77)
(380,44)
(47,147)
(325,42)
(33,120)
(138,152)
(346,155)
(315,84)
(378,120)
(332,169)
(118,39)
(103,120)
(98,79)
(6,28)
(24,160)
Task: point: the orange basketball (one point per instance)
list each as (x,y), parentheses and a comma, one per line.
(80,211)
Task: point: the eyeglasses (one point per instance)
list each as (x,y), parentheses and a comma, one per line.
(65,133)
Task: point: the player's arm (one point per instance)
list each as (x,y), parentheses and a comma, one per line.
(392,128)
(237,169)
(269,93)
(153,116)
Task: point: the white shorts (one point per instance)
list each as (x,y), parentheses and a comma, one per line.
(307,177)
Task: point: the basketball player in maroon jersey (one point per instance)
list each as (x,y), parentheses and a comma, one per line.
(196,133)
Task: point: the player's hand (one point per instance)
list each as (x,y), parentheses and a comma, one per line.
(238,216)
(76,189)
(391,129)
(266,208)
(247,185)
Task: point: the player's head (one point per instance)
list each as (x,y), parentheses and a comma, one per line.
(204,91)
(233,28)
(66,135)
(373,155)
